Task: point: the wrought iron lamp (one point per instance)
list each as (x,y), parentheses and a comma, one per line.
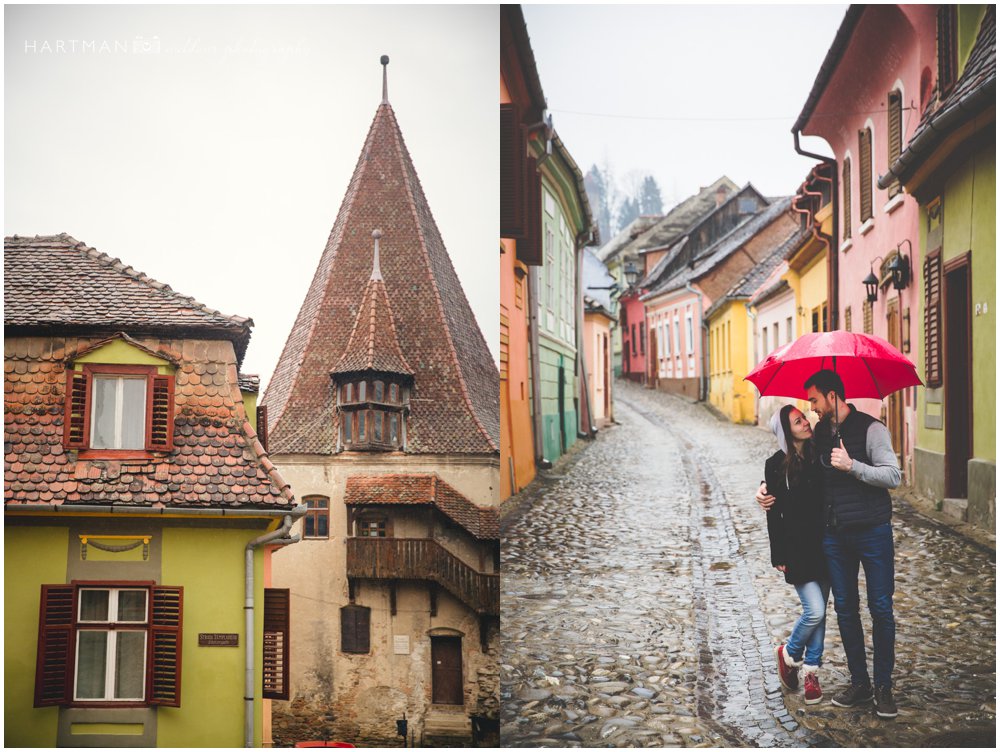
(631,273)
(899,267)
(871,285)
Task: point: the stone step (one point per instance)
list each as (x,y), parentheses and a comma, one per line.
(447,723)
(957,509)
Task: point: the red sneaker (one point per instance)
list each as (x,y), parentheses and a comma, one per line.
(813,693)
(788,671)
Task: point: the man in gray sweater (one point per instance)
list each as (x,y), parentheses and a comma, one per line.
(859,466)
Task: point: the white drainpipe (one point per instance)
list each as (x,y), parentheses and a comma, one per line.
(279,537)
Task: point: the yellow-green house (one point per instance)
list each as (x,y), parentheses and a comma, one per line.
(140,511)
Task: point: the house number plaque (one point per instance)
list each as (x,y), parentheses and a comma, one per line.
(218,639)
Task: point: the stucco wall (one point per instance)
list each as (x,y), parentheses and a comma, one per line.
(358,697)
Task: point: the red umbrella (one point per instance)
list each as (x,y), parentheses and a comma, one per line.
(868,365)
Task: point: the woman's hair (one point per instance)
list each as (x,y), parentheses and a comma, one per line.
(795,464)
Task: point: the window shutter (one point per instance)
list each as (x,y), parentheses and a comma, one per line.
(932,319)
(262,425)
(76,429)
(164,674)
(275,662)
(355,627)
(867,312)
(946,48)
(512,154)
(895,135)
(846,180)
(53,668)
(160,414)
(529,250)
(865,169)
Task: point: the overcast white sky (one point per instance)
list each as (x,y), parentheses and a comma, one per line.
(213,152)
(695,91)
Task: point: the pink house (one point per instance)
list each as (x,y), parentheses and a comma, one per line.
(866,102)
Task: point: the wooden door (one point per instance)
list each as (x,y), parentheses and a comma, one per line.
(894,412)
(606,377)
(652,360)
(957,379)
(446,671)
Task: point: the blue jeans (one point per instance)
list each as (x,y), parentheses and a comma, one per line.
(872,548)
(810,629)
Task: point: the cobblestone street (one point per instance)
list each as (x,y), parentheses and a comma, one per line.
(639,607)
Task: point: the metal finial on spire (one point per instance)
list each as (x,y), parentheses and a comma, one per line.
(385,79)
(376,269)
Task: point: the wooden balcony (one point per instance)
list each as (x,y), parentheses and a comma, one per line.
(423,559)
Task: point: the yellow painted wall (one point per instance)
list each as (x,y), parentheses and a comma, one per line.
(45,549)
(250,405)
(812,290)
(121,352)
(211,712)
(730,363)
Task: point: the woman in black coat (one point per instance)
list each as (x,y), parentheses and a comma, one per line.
(795,527)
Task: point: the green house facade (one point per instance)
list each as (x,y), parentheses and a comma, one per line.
(566,227)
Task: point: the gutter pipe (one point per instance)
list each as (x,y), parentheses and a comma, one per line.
(70,509)
(703,385)
(279,537)
(833,257)
(587,430)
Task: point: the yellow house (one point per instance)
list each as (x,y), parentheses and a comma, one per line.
(730,340)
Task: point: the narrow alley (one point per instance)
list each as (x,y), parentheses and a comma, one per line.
(639,607)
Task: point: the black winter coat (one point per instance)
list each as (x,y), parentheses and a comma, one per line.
(795,522)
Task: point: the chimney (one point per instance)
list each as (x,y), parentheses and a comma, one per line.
(720,196)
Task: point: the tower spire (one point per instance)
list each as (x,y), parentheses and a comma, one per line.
(376,269)
(385,79)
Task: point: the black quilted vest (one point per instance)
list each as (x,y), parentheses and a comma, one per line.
(850,504)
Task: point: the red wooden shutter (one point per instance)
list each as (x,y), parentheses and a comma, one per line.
(262,425)
(512,154)
(275,663)
(54,665)
(932,319)
(76,428)
(895,135)
(529,250)
(164,674)
(865,172)
(846,180)
(160,414)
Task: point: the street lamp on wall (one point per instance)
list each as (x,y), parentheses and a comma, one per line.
(631,273)
(898,268)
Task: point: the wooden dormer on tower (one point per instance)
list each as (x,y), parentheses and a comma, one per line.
(372,380)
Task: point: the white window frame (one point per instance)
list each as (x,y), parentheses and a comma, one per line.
(110,630)
(119,408)
(689,322)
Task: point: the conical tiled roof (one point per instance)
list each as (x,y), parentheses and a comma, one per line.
(455,401)
(373,345)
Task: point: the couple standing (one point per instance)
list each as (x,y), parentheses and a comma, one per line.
(828,512)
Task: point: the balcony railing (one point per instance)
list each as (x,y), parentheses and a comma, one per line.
(423,559)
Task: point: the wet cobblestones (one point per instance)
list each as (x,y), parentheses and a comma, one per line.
(639,607)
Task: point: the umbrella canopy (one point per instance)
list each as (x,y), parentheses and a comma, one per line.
(868,365)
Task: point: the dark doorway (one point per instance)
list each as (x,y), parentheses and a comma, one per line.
(654,367)
(562,407)
(446,671)
(606,377)
(957,378)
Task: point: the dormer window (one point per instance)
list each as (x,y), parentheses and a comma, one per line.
(373,414)
(393,393)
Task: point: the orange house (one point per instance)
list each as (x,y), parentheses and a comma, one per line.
(522,105)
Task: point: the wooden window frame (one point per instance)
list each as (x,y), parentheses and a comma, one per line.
(314,514)
(845,180)
(894,117)
(933,319)
(866,147)
(366,518)
(79,407)
(513,151)
(58,646)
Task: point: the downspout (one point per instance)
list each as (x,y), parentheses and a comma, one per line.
(587,430)
(833,257)
(753,326)
(279,537)
(536,395)
(703,385)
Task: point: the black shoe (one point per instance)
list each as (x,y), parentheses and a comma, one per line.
(885,706)
(854,694)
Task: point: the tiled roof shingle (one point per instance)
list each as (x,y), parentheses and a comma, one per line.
(455,404)
(424,488)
